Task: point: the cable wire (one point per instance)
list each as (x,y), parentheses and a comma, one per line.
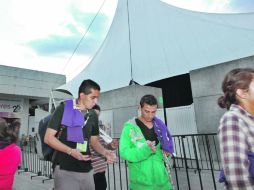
(78,44)
(129,40)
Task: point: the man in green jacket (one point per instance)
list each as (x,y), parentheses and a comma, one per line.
(139,145)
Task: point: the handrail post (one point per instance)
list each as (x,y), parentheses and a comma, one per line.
(210,160)
(196,158)
(186,164)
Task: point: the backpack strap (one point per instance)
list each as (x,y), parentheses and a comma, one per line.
(58,135)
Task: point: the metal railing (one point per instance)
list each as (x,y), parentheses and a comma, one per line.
(197,161)
(195,166)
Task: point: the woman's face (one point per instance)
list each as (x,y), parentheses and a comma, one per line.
(250,93)
(246,97)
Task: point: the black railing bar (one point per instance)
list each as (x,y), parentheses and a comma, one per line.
(210,157)
(119,166)
(189,150)
(126,173)
(206,153)
(216,151)
(199,151)
(180,146)
(114,176)
(186,166)
(176,176)
(197,163)
(108,177)
(177,150)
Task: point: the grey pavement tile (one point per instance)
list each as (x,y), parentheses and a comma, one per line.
(23,181)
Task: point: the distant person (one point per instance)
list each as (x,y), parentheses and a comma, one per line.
(236,129)
(76,126)
(23,140)
(10,155)
(144,142)
(98,161)
(15,125)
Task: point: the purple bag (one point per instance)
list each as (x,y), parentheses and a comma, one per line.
(222,177)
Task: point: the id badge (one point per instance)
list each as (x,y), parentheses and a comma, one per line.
(82,147)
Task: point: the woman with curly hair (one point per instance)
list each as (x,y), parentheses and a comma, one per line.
(10,155)
(236,130)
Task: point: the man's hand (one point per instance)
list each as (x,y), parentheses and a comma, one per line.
(151,145)
(96,145)
(110,156)
(78,155)
(167,154)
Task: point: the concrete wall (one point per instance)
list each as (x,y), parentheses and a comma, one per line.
(24,82)
(119,105)
(25,88)
(206,89)
(181,120)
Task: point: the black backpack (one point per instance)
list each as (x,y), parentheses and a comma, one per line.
(47,151)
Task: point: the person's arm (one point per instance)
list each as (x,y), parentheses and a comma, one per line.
(52,141)
(233,150)
(113,145)
(96,145)
(134,153)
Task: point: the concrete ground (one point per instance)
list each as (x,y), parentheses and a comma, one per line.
(23,181)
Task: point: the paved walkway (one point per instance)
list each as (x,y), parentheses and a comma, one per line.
(23,181)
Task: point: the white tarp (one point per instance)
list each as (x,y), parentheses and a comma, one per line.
(165,41)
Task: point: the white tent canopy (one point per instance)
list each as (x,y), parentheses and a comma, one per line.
(165,41)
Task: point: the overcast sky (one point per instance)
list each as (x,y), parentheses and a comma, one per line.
(42,34)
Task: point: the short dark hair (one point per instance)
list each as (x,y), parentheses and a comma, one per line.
(7,134)
(97,107)
(148,99)
(87,85)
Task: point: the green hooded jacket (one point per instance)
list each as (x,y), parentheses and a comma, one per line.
(146,168)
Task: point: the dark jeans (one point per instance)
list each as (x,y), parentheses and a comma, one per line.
(100,181)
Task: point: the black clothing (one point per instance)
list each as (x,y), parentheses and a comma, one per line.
(91,128)
(100,181)
(149,134)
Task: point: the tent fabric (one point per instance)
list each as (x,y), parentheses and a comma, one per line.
(165,41)
(63,91)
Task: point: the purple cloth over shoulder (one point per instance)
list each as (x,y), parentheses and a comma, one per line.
(163,135)
(73,119)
